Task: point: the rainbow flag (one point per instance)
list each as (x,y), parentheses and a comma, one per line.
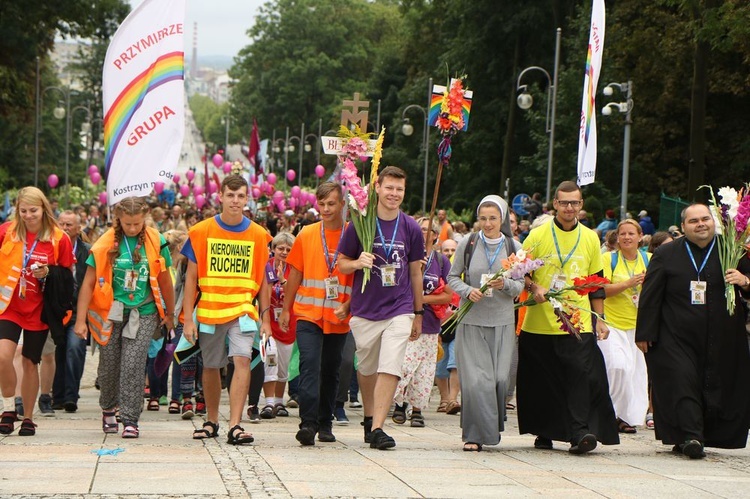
(437,98)
(144,99)
(587,140)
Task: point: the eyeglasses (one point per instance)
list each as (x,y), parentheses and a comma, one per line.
(489,219)
(565,204)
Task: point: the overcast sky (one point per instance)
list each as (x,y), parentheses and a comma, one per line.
(222,25)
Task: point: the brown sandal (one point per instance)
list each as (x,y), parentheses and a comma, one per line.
(453,407)
(28,428)
(7,422)
(443,406)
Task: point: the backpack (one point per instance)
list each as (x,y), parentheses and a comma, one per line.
(471,246)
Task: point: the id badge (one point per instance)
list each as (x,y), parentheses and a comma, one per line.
(698,292)
(22,287)
(277,313)
(559,282)
(131,280)
(388,273)
(634,299)
(484,280)
(332,288)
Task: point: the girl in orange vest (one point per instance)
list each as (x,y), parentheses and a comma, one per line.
(30,244)
(126,295)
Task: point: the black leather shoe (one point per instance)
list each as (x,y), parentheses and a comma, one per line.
(306,435)
(587,443)
(326,435)
(693,449)
(543,443)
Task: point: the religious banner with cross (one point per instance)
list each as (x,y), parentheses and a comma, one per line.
(354,113)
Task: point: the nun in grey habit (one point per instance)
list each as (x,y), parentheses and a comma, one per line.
(485,338)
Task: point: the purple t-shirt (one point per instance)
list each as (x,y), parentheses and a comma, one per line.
(380,302)
(437,267)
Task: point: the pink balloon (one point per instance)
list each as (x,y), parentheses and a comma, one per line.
(294,202)
(256,193)
(52,180)
(291,175)
(296,191)
(103,197)
(200,200)
(217,160)
(190,175)
(269,188)
(227,167)
(176,178)
(184,190)
(212,187)
(253,179)
(96,178)
(320,170)
(93,168)
(158,187)
(272,178)
(278,195)
(198,190)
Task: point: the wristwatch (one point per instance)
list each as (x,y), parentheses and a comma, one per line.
(419,312)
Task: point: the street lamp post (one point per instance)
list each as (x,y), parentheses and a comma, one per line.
(59,113)
(525,101)
(225,121)
(407,129)
(625,108)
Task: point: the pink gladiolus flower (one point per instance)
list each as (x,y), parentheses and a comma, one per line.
(743,214)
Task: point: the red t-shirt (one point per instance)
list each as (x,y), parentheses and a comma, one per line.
(27,312)
(277,303)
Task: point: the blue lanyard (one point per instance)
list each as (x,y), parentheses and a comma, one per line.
(388,249)
(557,246)
(27,256)
(705,258)
(330,264)
(130,253)
(491,261)
(75,246)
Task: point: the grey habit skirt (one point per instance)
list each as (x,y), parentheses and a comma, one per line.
(483,356)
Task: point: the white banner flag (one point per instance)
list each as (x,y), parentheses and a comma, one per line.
(144,99)
(587,133)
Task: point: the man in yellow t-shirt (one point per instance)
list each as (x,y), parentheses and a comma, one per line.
(562,389)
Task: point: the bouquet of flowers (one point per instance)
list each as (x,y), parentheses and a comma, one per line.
(363,200)
(567,313)
(514,267)
(731,215)
(451,118)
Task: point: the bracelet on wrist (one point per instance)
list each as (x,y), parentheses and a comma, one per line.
(419,312)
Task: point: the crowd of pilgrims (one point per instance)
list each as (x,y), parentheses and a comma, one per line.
(316,340)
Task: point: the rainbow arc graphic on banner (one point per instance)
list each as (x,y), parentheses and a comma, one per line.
(437,100)
(169,67)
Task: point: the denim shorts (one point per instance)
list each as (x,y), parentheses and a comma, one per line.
(447,362)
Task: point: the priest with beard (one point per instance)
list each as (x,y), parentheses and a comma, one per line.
(696,352)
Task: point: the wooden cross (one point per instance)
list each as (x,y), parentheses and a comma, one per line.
(355,115)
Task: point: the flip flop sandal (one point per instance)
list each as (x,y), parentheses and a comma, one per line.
(209,430)
(28,428)
(238,436)
(7,422)
(625,427)
(107,425)
(174,407)
(130,431)
(472,447)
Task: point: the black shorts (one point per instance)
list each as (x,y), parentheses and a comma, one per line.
(33,341)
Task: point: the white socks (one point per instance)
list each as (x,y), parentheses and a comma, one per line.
(9,404)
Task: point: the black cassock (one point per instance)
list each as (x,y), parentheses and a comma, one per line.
(699,364)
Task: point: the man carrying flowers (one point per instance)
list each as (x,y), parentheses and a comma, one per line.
(387,312)
(562,382)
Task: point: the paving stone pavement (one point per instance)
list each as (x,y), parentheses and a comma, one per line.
(61,461)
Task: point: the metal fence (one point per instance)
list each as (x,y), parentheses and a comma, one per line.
(669,211)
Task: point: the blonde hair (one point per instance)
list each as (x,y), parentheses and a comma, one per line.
(34,197)
(631,222)
(131,206)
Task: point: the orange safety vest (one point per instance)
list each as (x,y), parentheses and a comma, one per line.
(103,295)
(231,268)
(11,258)
(311,303)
